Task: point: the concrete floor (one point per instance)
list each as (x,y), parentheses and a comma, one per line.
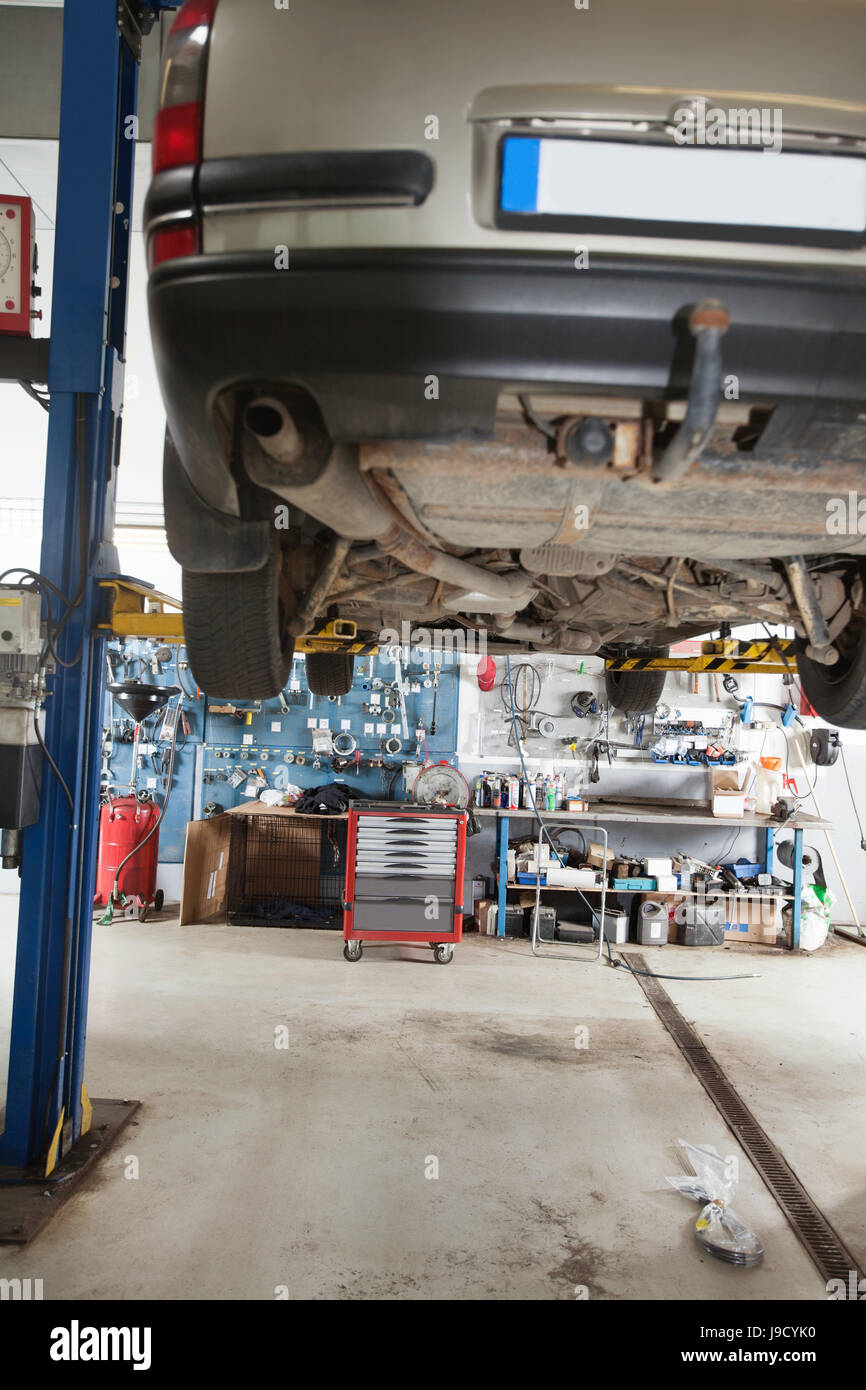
(305,1167)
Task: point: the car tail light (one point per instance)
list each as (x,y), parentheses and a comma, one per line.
(177,133)
(171,242)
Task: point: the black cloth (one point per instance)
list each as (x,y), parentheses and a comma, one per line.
(331,799)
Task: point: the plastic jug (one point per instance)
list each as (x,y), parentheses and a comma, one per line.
(769,784)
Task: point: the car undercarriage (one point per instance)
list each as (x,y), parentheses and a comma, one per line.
(555,533)
(574,554)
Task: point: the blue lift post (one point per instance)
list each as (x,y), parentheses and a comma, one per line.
(47,1108)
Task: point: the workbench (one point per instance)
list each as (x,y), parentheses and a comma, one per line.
(626,813)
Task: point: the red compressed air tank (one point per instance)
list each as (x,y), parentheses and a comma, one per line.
(123,824)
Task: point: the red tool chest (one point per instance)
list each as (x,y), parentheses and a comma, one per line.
(404,879)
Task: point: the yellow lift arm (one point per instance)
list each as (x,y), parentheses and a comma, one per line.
(136,610)
(769,658)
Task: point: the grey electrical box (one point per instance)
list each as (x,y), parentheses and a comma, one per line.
(20,692)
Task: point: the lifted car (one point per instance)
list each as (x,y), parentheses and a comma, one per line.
(522,318)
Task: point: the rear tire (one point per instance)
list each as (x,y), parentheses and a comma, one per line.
(838,693)
(330,673)
(236,633)
(635,692)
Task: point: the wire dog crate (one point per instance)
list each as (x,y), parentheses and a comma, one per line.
(286,872)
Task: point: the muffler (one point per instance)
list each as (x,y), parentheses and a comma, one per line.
(294,458)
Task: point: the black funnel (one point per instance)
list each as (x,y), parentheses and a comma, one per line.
(139,700)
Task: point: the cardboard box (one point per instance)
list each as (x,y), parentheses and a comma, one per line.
(595,855)
(728,798)
(206,860)
(754,917)
(484,912)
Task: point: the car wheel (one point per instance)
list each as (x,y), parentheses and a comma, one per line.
(838,693)
(330,673)
(235,630)
(635,692)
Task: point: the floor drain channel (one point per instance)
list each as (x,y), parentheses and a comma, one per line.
(827,1251)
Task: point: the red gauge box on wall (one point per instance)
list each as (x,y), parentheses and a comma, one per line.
(17,257)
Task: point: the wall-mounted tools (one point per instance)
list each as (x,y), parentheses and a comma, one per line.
(129,828)
(436,669)
(584,704)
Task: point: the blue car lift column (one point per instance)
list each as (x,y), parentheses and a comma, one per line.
(47,1107)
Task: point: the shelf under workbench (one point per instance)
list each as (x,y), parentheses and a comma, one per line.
(651,813)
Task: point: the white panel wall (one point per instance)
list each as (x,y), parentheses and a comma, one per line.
(31,166)
(482,745)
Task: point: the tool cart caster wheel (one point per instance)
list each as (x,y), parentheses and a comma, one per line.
(158,900)
(443,954)
(142,911)
(353,950)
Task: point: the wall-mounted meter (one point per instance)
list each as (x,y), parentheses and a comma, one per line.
(17,263)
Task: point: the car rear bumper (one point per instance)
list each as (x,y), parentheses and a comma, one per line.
(365,331)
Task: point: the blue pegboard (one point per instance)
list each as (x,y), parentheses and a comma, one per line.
(182,803)
(260,736)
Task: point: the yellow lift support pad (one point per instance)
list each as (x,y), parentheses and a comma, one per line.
(136,610)
(773,657)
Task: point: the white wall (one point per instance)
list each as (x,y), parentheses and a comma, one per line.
(482,745)
(31,166)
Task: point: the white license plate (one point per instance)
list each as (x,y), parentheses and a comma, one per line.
(599,181)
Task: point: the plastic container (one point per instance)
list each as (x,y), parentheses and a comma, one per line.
(768,785)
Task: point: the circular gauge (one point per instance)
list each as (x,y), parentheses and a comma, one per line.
(5,255)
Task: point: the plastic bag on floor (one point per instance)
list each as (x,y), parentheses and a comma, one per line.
(718,1229)
(815,916)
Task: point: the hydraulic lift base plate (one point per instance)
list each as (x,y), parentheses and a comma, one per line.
(28,1201)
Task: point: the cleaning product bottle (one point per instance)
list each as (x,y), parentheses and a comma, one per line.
(768,786)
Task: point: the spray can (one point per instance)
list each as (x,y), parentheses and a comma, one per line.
(550,794)
(513,792)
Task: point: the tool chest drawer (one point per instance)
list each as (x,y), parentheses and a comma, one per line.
(402,915)
(403,885)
